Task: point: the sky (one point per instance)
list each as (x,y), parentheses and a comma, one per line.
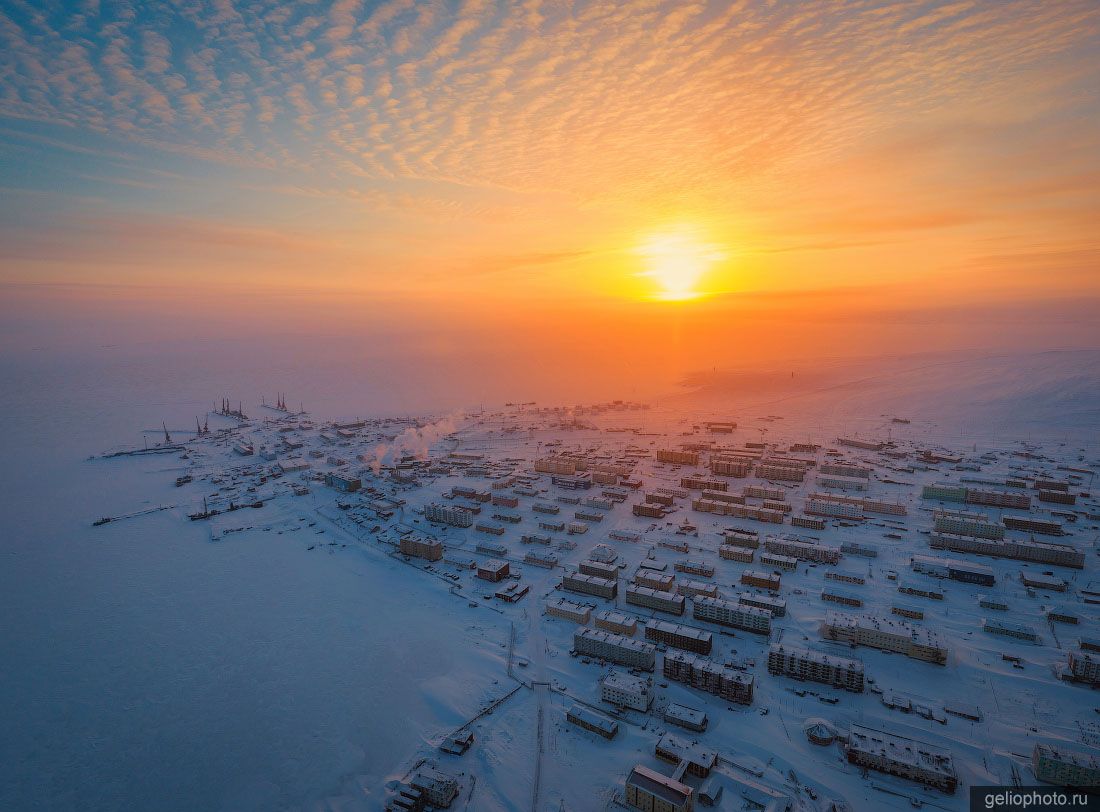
(780,177)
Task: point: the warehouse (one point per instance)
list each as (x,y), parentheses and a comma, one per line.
(1045,582)
(954,569)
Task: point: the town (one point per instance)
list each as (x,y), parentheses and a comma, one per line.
(708,610)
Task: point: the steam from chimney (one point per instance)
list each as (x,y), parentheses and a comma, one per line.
(414,441)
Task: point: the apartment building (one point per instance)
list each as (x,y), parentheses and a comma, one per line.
(710,676)
(575,581)
(1040,552)
(687,638)
(650,791)
(452,515)
(626,691)
(568,610)
(420,547)
(612,621)
(803,550)
(668,602)
(615,648)
(885,634)
(962,523)
(1066,768)
(906,758)
(735,615)
(816,666)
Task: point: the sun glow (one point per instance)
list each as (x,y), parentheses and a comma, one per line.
(676,260)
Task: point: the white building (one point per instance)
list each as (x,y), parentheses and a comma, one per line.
(626,691)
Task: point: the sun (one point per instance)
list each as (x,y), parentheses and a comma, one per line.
(676,260)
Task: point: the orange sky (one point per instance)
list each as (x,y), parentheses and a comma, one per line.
(516,163)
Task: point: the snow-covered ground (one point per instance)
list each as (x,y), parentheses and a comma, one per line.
(286,657)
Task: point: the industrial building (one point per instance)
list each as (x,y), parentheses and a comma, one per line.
(626,691)
(806,664)
(709,676)
(900,756)
(728,613)
(615,648)
(687,638)
(885,634)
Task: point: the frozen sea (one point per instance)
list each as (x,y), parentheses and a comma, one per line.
(144,667)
